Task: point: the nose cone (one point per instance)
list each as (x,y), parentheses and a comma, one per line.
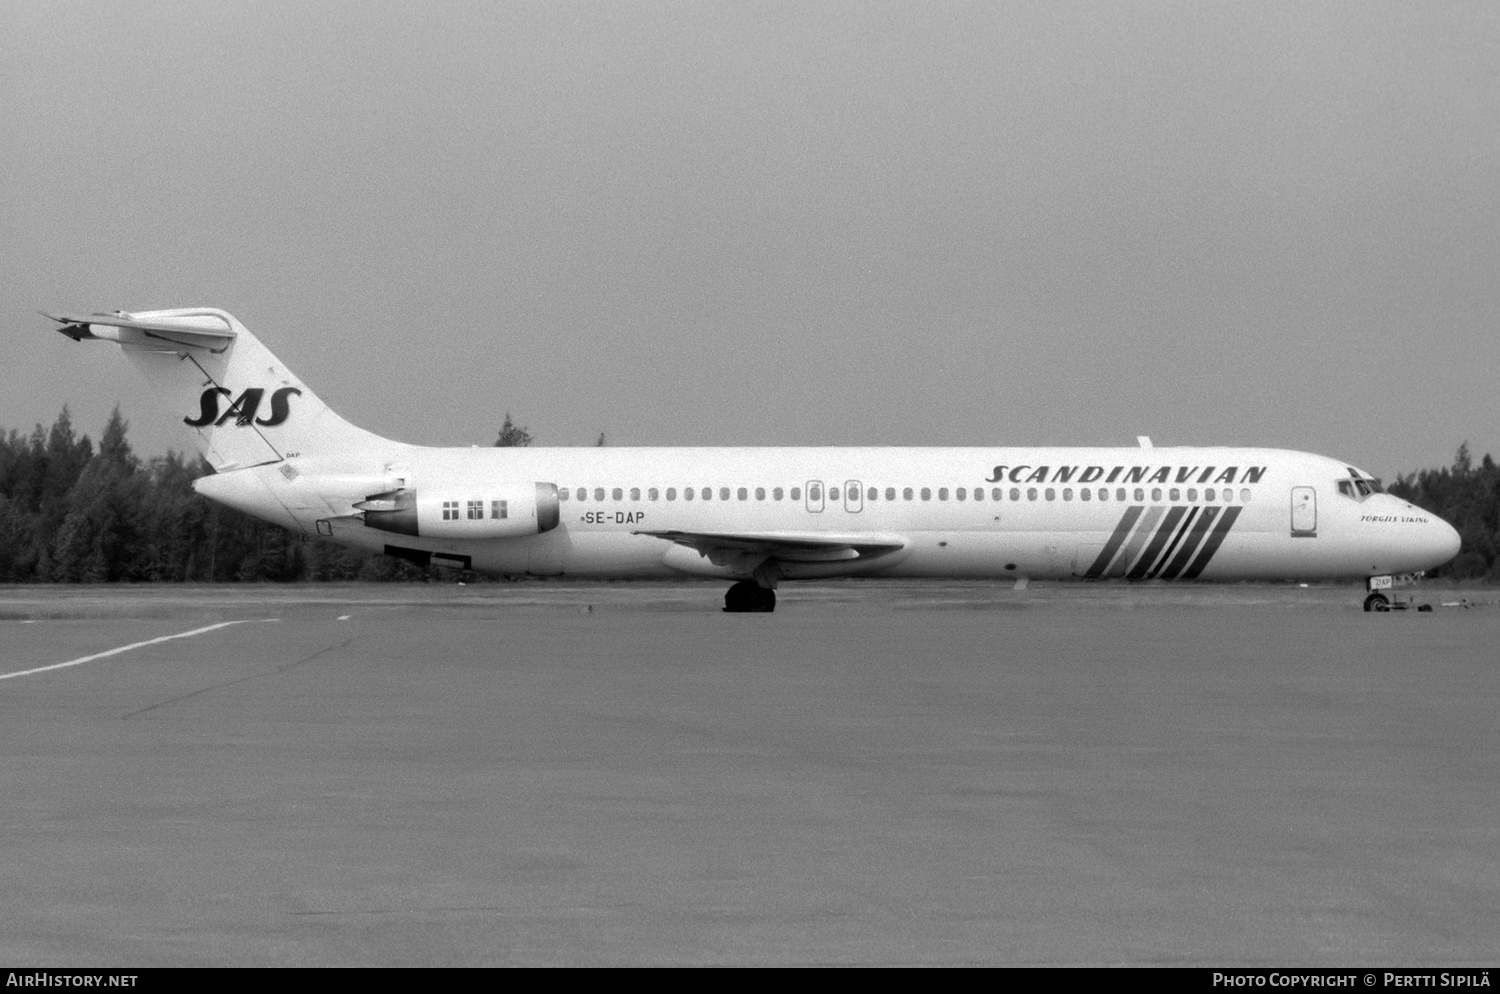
(1444,542)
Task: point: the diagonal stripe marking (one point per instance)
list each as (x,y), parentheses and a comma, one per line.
(134,645)
(1147,526)
(1182,530)
(1121,530)
(1215,539)
(1190,544)
(1168,526)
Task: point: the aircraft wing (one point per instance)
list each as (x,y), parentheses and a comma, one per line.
(189,331)
(793,547)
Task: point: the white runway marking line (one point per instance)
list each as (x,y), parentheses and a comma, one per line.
(135,645)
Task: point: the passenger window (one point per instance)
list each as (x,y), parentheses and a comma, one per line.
(635,493)
(1245,496)
(890,493)
(652,494)
(1175,494)
(872,494)
(776,494)
(743,494)
(707,494)
(671,493)
(979,493)
(1104,493)
(1156,493)
(906,494)
(1120,493)
(927,493)
(598,493)
(563,493)
(1192,493)
(1031,493)
(1140,494)
(687,493)
(796,493)
(1051,494)
(814,492)
(960,494)
(1084,493)
(760,493)
(723,493)
(1228,496)
(1208,494)
(1015,493)
(618,494)
(583,494)
(942,493)
(1067,493)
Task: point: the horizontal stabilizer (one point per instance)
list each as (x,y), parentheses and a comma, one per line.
(206,331)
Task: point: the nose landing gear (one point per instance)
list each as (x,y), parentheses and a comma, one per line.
(1381,598)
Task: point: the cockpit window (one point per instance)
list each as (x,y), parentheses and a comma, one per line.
(1359,487)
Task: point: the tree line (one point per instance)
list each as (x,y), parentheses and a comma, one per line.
(74,512)
(1468,498)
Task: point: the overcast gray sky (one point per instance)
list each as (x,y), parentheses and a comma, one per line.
(777,223)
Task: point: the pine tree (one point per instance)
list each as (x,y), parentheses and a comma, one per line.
(98,540)
(512,435)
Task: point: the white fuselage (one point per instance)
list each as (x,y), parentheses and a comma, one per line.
(762,514)
(1139,513)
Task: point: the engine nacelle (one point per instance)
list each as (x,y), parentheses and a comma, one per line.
(473,512)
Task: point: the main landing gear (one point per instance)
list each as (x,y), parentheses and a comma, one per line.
(747,596)
(1377,602)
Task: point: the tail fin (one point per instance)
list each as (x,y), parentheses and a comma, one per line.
(244,406)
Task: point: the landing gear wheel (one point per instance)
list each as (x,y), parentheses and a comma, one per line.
(1377,602)
(749,597)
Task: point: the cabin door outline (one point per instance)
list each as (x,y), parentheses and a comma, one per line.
(815,496)
(1304,512)
(854,496)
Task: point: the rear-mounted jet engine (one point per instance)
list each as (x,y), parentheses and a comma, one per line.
(500,512)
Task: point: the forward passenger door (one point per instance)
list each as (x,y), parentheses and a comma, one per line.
(1304,512)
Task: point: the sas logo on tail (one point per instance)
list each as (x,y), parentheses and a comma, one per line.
(244,407)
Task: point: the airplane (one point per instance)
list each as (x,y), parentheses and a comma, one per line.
(758,516)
